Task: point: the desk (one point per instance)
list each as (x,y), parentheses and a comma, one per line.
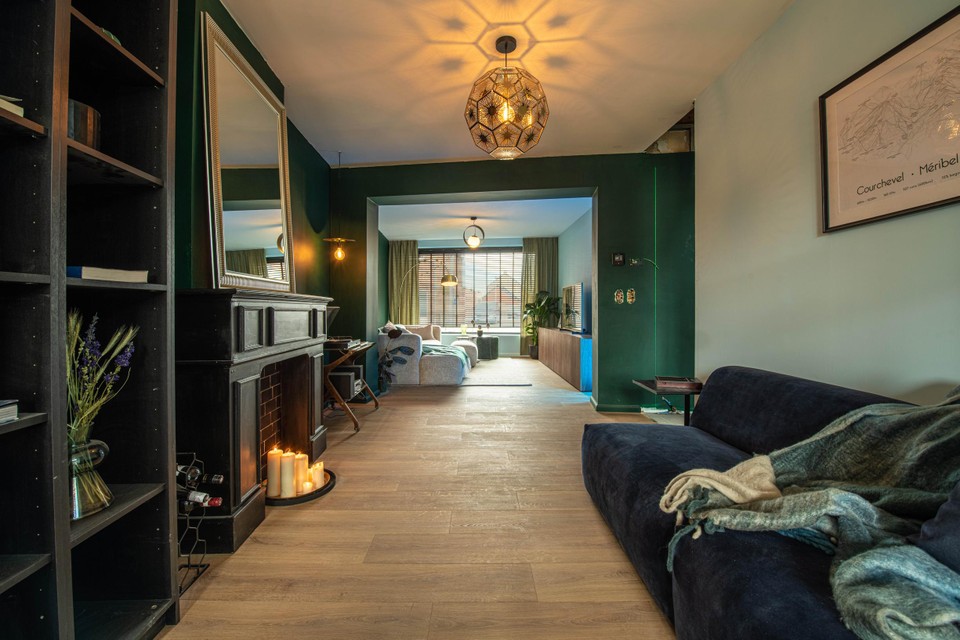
(348,356)
(651,386)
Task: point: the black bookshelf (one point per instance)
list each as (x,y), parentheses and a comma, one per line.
(62,202)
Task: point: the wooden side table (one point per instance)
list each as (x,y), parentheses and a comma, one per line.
(348,356)
(660,390)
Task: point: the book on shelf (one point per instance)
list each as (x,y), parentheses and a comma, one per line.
(8,411)
(114,275)
(7,103)
(678,382)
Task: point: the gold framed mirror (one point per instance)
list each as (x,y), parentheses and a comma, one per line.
(247,172)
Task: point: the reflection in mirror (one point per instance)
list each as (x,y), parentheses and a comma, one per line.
(247,172)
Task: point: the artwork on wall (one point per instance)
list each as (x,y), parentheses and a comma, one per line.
(890,134)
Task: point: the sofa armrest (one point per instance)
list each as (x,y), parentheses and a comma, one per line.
(760,411)
(411,340)
(400,367)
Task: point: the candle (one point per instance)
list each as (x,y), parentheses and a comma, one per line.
(307,487)
(300,464)
(318,479)
(288,489)
(273,472)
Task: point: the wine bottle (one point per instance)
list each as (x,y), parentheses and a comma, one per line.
(186,506)
(210,478)
(189,472)
(201,498)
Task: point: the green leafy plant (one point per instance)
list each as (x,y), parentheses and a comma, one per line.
(542,312)
(95,374)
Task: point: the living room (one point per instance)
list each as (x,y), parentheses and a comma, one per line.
(456,511)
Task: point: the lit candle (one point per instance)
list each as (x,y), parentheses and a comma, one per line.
(307,487)
(318,479)
(288,489)
(300,464)
(273,472)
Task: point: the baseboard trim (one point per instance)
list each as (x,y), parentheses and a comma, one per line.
(615,408)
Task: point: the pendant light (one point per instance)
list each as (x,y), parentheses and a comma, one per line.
(473,240)
(507,109)
(338,254)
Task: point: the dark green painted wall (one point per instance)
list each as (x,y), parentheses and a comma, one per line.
(309,173)
(249,184)
(645,209)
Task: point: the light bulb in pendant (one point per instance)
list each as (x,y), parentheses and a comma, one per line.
(339,254)
(506,112)
(473,241)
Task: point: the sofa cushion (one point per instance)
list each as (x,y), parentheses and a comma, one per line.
(940,536)
(626,468)
(733,585)
(761,411)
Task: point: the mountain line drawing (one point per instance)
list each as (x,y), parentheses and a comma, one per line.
(899,117)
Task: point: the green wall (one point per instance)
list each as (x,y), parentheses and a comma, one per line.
(309,173)
(644,209)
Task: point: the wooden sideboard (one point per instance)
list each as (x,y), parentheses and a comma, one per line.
(569,355)
(225,339)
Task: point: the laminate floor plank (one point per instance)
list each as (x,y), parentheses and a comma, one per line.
(459,513)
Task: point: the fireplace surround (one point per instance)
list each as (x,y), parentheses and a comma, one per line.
(249,376)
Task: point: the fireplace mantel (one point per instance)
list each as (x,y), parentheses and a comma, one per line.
(224,339)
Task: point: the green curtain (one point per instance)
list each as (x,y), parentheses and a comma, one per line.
(249,261)
(540,273)
(403,291)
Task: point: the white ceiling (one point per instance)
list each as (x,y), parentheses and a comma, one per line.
(504,219)
(386,81)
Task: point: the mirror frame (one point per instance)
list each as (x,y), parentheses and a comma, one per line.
(215,38)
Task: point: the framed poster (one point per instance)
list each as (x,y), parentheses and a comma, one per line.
(890,134)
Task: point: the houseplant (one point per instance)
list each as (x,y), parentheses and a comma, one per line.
(95,375)
(542,312)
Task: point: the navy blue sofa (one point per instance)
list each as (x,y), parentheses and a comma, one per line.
(731,585)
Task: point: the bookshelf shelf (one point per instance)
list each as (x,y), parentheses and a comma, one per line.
(12,124)
(89,166)
(24,421)
(16,568)
(108,285)
(119,618)
(100,54)
(126,498)
(16,277)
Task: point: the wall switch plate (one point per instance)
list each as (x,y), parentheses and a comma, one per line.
(617,259)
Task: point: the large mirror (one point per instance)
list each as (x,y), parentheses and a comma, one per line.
(247,172)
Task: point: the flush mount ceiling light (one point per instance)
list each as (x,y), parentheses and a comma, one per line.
(507,109)
(476,234)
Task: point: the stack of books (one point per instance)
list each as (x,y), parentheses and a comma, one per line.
(8,411)
(677,384)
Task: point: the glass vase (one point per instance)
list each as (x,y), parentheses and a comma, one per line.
(89,494)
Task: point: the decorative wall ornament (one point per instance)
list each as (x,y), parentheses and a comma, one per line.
(631,296)
(618,296)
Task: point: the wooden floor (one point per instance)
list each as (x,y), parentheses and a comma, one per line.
(459,513)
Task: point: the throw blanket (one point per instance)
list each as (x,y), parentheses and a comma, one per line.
(442,349)
(857,489)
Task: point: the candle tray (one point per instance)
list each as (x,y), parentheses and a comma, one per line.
(328,476)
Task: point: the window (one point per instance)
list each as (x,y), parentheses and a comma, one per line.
(489,289)
(275,269)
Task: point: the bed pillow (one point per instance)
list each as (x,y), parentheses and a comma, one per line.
(940,536)
(425,331)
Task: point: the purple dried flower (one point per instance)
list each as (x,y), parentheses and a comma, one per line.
(123,360)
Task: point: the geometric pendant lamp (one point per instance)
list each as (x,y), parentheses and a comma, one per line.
(507,109)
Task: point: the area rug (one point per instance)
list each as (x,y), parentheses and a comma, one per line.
(502,372)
